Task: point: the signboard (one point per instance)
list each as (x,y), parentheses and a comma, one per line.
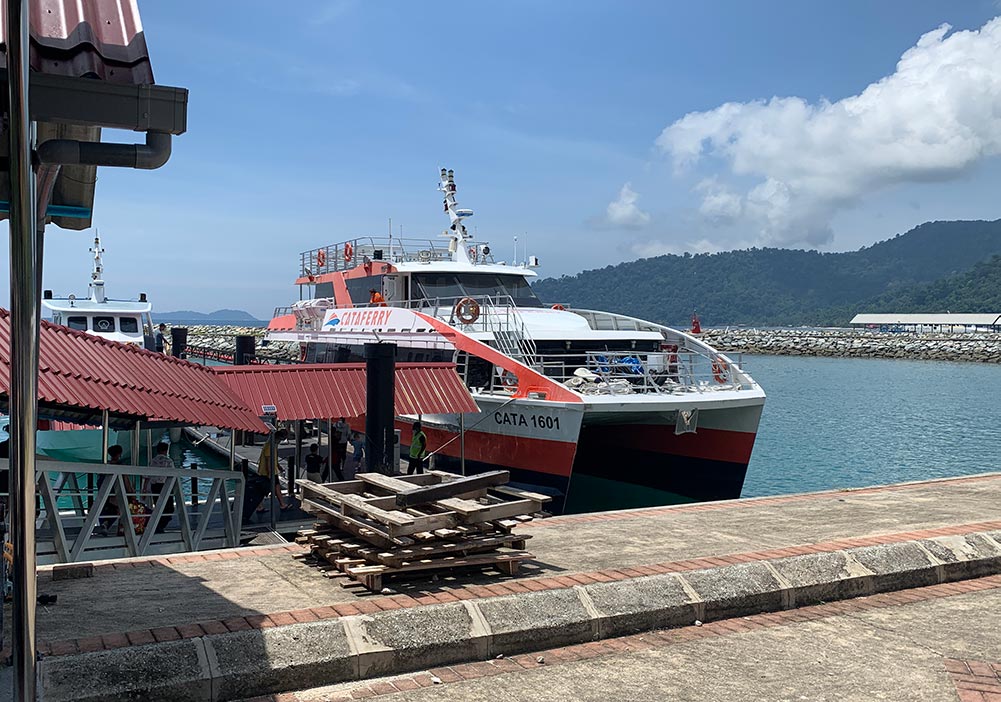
(269,409)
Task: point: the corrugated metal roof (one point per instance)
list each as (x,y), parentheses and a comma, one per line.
(86,372)
(959,320)
(432,388)
(86,38)
(324,391)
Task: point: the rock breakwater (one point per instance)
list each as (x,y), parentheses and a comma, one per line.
(221,340)
(848,343)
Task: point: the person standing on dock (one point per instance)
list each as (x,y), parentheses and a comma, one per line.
(267,467)
(315,464)
(342,432)
(154,485)
(162,345)
(109,511)
(357,454)
(418,450)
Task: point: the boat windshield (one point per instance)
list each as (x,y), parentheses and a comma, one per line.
(450,286)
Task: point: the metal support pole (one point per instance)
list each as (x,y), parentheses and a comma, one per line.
(135,462)
(272,474)
(232,449)
(105,436)
(462,443)
(24,316)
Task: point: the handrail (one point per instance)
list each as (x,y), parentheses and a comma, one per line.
(74,530)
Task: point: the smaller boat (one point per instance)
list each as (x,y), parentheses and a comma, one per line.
(125,321)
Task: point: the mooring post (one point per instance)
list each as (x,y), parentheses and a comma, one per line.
(380,385)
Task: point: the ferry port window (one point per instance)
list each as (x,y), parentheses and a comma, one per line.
(129,325)
(358,288)
(104,324)
(450,286)
(78,323)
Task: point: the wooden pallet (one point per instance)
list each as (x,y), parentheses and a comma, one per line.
(377,525)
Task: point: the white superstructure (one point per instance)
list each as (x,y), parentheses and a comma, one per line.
(125,321)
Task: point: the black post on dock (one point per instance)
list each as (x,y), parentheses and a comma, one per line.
(245,350)
(179,342)
(380,368)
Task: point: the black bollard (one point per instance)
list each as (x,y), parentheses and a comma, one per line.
(380,369)
(179,342)
(246,350)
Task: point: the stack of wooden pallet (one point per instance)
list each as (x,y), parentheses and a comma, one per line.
(377,525)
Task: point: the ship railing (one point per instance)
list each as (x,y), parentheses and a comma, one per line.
(685,341)
(629,372)
(498,316)
(348,254)
(83,518)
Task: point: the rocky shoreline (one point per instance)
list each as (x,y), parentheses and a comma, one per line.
(839,343)
(850,343)
(222,340)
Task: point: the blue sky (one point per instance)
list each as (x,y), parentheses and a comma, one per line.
(564,121)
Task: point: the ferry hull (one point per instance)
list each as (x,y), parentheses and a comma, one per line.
(616,460)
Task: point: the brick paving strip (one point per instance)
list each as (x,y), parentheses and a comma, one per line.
(976,681)
(502,588)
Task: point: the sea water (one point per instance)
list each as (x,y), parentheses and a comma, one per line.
(847,422)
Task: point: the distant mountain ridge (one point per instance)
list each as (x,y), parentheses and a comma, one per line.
(927,269)
(206,317)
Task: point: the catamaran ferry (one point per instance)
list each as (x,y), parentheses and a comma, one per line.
(597,409)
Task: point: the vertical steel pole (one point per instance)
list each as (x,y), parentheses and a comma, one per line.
(23,350)
(462,443)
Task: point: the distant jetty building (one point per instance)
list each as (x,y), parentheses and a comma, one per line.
(947,322)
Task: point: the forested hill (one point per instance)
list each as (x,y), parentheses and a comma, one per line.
(794,287)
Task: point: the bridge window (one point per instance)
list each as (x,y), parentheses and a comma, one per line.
(78,323)
(129,325)
(104,324)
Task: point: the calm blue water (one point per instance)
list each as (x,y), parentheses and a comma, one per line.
(834,423)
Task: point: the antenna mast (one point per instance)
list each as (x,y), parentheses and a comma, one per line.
(97,275)
(457,230)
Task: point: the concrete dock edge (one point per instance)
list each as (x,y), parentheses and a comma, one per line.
(242,664)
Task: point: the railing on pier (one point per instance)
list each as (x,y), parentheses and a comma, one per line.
(77,523)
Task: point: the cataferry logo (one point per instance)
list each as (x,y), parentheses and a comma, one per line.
(332,322)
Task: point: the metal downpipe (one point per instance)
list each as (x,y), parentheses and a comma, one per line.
(24,325)
(69,152)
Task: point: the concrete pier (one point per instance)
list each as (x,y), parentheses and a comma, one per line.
(232,625)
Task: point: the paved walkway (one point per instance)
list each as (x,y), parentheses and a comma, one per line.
(931,644)
(127,603)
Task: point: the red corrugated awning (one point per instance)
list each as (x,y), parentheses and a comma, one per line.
(81,375)
(325,391)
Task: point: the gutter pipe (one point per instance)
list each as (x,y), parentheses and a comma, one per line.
(69,152)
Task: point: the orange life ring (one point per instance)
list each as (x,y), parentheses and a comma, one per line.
(467,310)
(349,252)
(720,369)
(321,258)
(558,306)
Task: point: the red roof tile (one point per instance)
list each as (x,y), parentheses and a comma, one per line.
(86,38)
(324,391)
(83,374)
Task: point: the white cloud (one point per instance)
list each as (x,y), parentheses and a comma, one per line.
(799,163)
(624,212)
(719,203)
